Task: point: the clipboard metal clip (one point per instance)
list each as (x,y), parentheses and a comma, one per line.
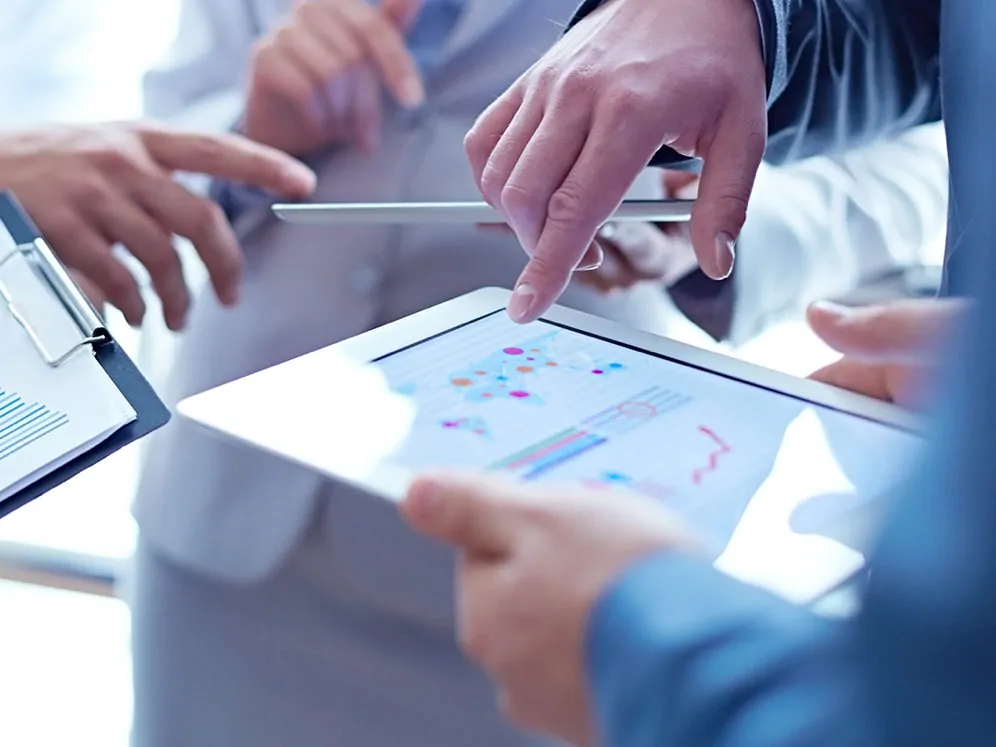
(52,359)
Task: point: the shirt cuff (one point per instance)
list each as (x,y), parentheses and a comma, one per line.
(237,199)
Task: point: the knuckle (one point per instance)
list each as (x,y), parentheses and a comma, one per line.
(286,36)
(369,23)
(263,53)
(513,195)
(494,180)
(627,103)
(577,83)
(111,160)
(116,281)
(475,143)
(230,266)
(59,224)
(208,149)
(307,13)
(89,192)
(204,218)
(547,272)
(545,76)
(566,206)
(161,261)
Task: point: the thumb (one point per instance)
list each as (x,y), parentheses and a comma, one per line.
(401,12)
(900,332)
(464,511)
(730,165)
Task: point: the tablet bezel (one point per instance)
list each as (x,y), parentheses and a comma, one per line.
(224,410)
(419,327)
(412,213)
(221,410)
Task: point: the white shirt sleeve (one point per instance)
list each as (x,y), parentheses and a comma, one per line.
(825,225)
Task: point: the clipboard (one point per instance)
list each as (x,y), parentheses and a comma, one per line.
(151,413)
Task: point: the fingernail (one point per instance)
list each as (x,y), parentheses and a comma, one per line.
(298,175)
(230,296)
(594,262)
(725,254)
(521,304)
(833,309)
(412,93)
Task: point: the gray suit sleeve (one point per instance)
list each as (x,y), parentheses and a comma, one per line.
(841,72)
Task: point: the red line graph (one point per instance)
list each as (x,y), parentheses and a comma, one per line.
(721,448)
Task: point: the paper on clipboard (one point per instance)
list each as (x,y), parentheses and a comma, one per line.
(49,414)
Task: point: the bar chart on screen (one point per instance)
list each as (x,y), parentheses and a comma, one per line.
(548,404)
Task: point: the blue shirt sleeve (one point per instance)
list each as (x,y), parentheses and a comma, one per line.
(679,654)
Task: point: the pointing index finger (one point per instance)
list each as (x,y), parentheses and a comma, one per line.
(231,157)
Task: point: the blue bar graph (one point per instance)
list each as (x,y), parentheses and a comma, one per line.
(22,423)
(576,447)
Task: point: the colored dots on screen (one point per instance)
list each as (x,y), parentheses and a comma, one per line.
(524,369)
(502,378)
(615,365)
(481,373)
(518,394)
(616,477)
(462,382)
(597,371)
(450,424)
(552,364)
(512,351)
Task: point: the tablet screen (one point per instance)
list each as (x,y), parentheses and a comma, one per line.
(547,403)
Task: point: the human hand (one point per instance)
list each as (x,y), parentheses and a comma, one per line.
(889,350)
(646,252)
(91,290)
(532,565)
(557,152)
(91,187)
(316,79)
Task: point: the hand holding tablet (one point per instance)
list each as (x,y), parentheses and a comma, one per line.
(574,400)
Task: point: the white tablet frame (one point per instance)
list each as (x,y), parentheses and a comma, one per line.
(224,410)
(413,213)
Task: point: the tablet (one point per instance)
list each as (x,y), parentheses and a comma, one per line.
(652,211)
(770,470)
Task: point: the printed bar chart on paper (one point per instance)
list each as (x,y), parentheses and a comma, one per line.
(22,423)
(48,413)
